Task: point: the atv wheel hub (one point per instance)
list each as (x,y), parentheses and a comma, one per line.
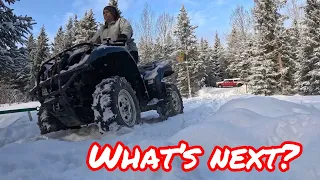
(127,107)
(175,101)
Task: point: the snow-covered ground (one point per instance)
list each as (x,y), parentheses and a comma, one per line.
(216,117)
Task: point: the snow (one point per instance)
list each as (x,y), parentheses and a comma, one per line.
(149,75)
(215,117)
(83,60)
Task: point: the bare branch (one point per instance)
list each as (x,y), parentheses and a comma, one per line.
(164,26)
(242,20)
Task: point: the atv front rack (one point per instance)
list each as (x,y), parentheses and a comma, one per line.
(55,73)
(54,80)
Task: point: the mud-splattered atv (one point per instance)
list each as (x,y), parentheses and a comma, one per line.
(101,83)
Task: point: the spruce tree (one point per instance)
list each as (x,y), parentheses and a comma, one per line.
(309,75)
(58,43)
(164,50)
(31,50)
(290,55)
(69,35)
(186,42)
(296,53)
(233,53)
(205,56)
(76,30)
(13,30)
(244,63)
(114,3)
(265,70)
(43,50)
(87,27)
(218,59)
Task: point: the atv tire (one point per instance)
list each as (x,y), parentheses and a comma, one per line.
(48,123)
(114,100)
(173,104)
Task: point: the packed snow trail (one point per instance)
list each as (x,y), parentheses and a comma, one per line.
(216,117)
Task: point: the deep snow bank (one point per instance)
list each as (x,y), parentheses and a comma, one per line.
(216,117)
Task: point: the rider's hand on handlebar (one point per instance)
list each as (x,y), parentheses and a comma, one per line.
(121,38)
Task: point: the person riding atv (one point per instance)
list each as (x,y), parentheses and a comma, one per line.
(116,28)
(100,82)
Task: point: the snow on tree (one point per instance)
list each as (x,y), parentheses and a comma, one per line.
(219,64)
(237,42)
(114,3)
(43,50)
(243,60)
(21,75)
(69,35)
(197,69)
(233,53)
(296,53)
(206,58)
(265,70)
(290,60)
(242,21)
(164,46)
(309,75)
(31,48)
(76,29)
(164,51)
(146,30)
(87,27)
(187,43)
(58,42)
(13,30)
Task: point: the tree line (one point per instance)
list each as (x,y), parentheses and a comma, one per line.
(271,57)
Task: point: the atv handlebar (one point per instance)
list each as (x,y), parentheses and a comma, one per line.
(118,42)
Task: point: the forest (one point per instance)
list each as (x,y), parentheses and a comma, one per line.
(274,47)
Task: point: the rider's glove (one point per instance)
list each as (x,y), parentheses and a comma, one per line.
(122,38)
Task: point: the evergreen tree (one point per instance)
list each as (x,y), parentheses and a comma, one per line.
(310,77)
(58,43)
(186,42)
(290,55)
(76,30)
(233,54)
(114,3)
(87,27)
(244,60)
(13,31)
(265,70)
(164,50)
(31,50)
(21,75)
(43,50)
(206,58)
(218,60)
(69,35)
(197,69)
(296,53)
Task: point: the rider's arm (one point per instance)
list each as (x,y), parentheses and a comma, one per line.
(126,28)
(96,37)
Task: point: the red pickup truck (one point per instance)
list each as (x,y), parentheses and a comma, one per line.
(236,82)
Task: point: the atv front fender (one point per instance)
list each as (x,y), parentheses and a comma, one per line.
(107,61)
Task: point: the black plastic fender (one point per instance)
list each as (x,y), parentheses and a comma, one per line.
(109,61)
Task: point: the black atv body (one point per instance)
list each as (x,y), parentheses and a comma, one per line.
(70,88)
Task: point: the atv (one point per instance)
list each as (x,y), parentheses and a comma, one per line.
(102,84)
